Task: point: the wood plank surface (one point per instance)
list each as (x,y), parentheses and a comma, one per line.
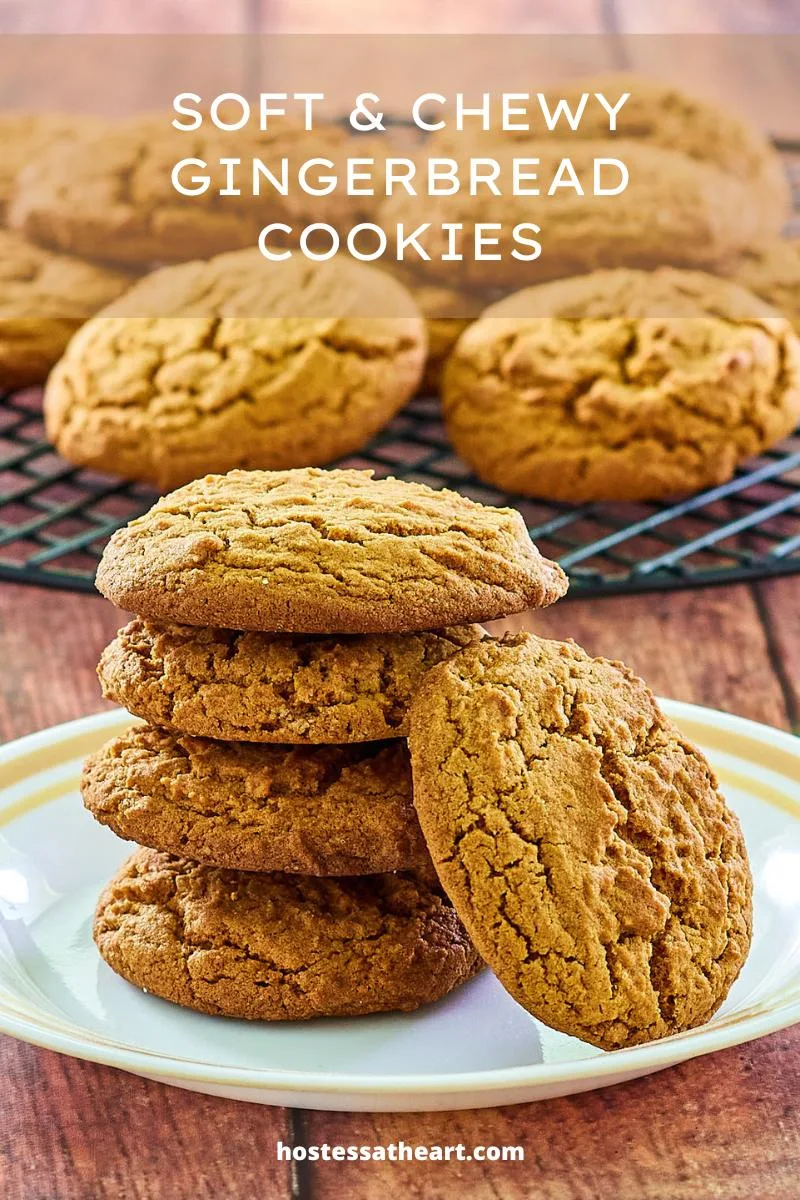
(724,1127)
(70,1130)
(413,16)
(780,604)
(125,16)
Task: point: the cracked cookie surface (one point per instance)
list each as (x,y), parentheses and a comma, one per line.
(622,385)
(321,810)
(258,687)
(25,136)
(312,551)
(660,114)
(280,947)
(44,299)
(236,362)
(111,195)
(582,840)
(771,270)
(674,210)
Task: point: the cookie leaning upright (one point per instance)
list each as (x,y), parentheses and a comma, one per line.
(582,840)
(312,551)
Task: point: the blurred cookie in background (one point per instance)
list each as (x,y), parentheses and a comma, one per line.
(772,271)
(187,374)
(447,312)
(666,115)
(26,135)
(675,210)
(44,298)
(123,195)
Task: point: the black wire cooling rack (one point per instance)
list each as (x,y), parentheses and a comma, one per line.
(55,519)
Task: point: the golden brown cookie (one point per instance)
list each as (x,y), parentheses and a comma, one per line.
(152,393)
(24,136)
(111,196)
(444,310)
(622,385)
(661,114)
(772,271)
(313,810)
(44,298)
(262,687)
(324,552)
(443,333)
(280,947)
(582,840)
(675,210)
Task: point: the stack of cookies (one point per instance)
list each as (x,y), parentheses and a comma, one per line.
(285,621)
(302,860)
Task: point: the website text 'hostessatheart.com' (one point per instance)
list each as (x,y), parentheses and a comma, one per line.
(398,1152)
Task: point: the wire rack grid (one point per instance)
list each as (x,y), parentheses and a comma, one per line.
(55,519)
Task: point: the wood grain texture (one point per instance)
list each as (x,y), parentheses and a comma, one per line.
(721,1128)
(123,16)
(713,16)
(447,16)
(779,601)
(49,645)
(358,16)
(70,1130)
(707,646)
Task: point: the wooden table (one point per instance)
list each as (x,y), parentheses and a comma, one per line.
(727,1126)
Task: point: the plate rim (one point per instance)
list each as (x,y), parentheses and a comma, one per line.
(633,1060)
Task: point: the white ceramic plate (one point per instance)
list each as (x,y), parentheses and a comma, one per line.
(475,1048)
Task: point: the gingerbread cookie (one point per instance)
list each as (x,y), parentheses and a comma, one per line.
(582,840)
(661,114)
(675,210)
(668,116)
(236,362)
(771,270)
(261,687)
(313,810)
(25,136)
(447,314)
(280,947)
(44,298)
(324,552)
(622,385)
(112,195)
